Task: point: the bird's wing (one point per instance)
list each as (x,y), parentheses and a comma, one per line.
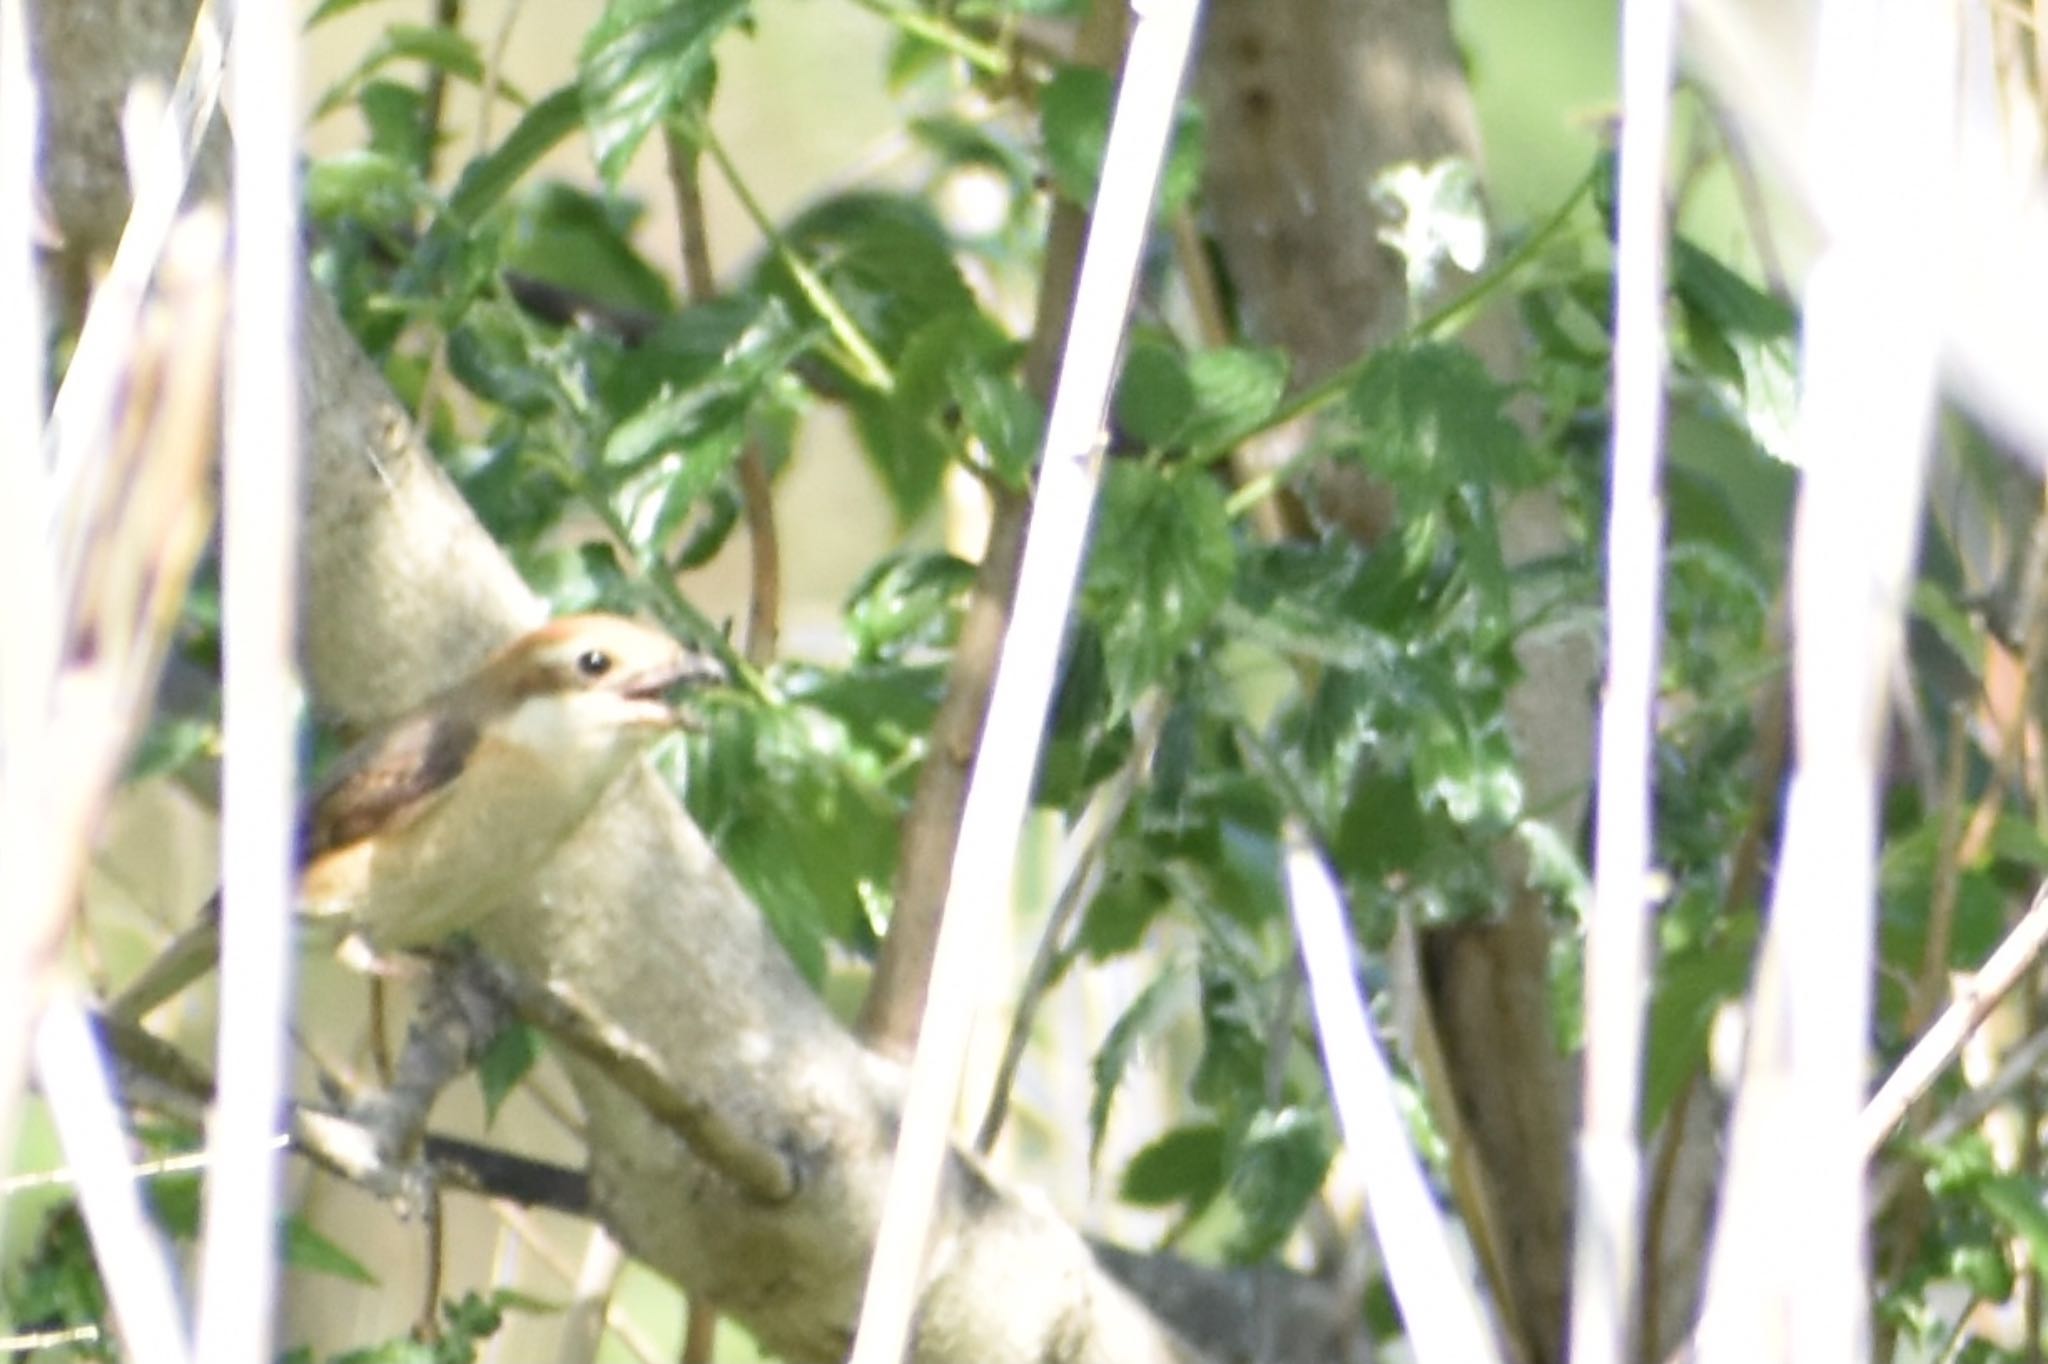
(387,781)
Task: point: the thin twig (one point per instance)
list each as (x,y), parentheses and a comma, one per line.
(427,1323)
(895,1000)
(1618,945)
(604,1259)
(259,697)
(1939,1045)
(135,1263)
(867,362)
(522,1224)
(757,496)
(984,861)
(1079,877)
(1788,1277)
(448,17)
(77,427)
(1446,1322)
(28,665)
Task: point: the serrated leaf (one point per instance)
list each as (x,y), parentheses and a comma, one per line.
(643,61)
(1278,1169)
(1235,388)
(1183,1166)
(508,1059)
(1233,1063)
(489,178)
(1169,400)
(1430,417)
(1162,562)
(1145,1016)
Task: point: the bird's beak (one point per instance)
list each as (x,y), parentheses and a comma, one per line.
(664,689)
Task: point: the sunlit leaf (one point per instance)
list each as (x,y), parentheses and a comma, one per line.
(1161,563)
(643,61)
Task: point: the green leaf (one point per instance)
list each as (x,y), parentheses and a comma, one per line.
(1154,395)
(583,243)
(508,1059)
(1183,1166)
(1467,767)
(1120,912)
(490,177)
(373,186)
(755,773)
(444,49)
(1382,827)
(1007,420)
(1162,563)
(1277,1171)
(1690,989)
(328,9)
(644,61)
(1235,388)
(305,1248)
(1430,418)
(1145,1016)
(908,600)
(1169,400)
(396,117)
(949,362)
(2016,1202)
(675,418)
(887,261)
(491,352)
(584,577)
(1233,1065)
(1074,111)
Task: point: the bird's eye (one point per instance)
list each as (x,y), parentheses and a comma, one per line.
(593,663)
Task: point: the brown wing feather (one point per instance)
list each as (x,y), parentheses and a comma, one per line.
(386,781)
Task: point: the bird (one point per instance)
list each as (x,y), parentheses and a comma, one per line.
(430,822)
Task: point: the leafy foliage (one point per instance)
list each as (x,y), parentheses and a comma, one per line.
(599,422)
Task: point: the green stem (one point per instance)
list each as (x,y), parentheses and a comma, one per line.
(941,34)
(868,364)
(1444,322)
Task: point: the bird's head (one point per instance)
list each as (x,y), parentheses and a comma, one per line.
(591,682)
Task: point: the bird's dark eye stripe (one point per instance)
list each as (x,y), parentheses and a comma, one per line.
(593,663)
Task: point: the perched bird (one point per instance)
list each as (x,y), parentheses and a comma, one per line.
(429,823)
